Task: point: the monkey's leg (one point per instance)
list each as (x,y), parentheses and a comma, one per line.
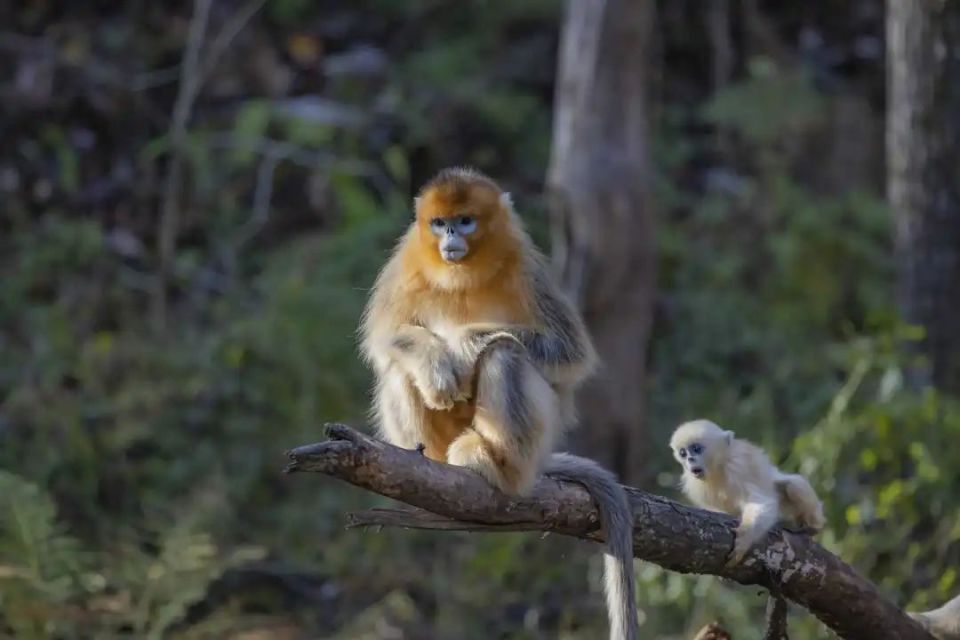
(756,518)
(401,417)
(515,424)
(801,501)
(404,420)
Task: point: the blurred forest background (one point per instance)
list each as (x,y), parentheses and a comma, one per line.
(195,196)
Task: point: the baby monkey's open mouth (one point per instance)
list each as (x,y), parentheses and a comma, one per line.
(697,471)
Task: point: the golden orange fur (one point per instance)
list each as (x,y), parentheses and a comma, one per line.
(477,354)
(495,250)
(489,286)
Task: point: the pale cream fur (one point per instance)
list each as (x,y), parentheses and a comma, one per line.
(730,475)
(942,623)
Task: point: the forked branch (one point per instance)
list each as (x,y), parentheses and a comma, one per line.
(674,536)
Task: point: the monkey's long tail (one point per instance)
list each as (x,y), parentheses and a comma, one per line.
(942,623)
(616,517)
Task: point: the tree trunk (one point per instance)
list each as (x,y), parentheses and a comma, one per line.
(603,243)
(923,156)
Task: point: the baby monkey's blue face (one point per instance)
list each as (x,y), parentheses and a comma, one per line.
(699,445)
(691,457)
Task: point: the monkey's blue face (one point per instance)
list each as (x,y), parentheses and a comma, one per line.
(452,235)
(699,446)
(692,457)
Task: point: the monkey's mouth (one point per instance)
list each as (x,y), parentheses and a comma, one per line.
(452,255)
(698,472)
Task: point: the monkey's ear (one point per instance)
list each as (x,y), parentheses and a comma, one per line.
(728,436)
(506,200)
(416,205)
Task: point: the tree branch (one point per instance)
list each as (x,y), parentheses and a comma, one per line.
(674,536)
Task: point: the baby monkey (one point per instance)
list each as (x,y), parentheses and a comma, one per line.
(726,474)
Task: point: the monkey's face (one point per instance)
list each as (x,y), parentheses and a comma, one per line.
(692,457)
(452,234)
(460,223)
(699,446)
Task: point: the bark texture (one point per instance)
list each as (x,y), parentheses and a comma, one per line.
(672,535)
(603,243)
(923,173)
(776,619)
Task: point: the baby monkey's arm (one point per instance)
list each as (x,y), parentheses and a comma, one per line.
(757,516)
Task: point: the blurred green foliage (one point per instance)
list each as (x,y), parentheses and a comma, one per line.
(783,327)
(141,495)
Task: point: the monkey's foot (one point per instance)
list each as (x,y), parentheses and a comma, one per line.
(470,450)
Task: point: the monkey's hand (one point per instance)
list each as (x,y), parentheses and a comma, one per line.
(441,379)
(741,545)
(478,337)
(756,519)
(481,333)
(435,370)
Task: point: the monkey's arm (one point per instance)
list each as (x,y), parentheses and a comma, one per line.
(757,516)
(408,361)
(434,370)
(395,346)
(558,344)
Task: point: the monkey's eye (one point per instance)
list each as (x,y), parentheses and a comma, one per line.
(683,453)
(696,449)
(437,223)
(467,224)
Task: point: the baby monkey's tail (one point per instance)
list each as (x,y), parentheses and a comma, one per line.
(616,517)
